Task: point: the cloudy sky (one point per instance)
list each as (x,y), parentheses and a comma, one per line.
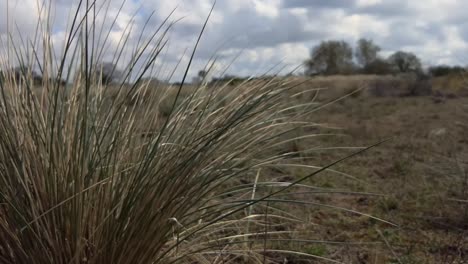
(256,35)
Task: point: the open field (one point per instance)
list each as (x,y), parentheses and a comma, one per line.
(153,153)
(418,177)
(100,162)
(415,180)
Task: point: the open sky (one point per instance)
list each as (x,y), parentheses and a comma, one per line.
(262,33)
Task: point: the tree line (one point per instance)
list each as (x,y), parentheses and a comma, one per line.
(338,57)
(105,73)
(330,57)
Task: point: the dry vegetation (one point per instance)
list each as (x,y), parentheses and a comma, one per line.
(272,170)
(417,179)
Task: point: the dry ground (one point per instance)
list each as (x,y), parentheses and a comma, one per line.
(418,176)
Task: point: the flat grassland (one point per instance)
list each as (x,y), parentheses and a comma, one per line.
(404,200)
(416,180)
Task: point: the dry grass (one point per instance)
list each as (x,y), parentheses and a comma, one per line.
(454,84)
(420,176)
(137,173)
(130,173)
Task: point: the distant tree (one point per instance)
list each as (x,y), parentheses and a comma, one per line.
(330,57)
(59,81)
(202,74)
(366,52)
(24,71)
(441,70)
(20,74)
(405,62)
(108,73)
(378,66)
(200,77)
(228,78)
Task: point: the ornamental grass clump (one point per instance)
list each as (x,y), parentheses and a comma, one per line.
(91,172)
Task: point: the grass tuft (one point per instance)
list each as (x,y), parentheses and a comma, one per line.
(126,172)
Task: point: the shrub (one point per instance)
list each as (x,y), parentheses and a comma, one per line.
(378,66)
(401,85)
(229,79)
(442,70)
(419,88)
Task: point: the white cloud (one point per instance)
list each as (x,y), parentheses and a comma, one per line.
(269,8)
(364,3)
(265,32)
(356,26)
